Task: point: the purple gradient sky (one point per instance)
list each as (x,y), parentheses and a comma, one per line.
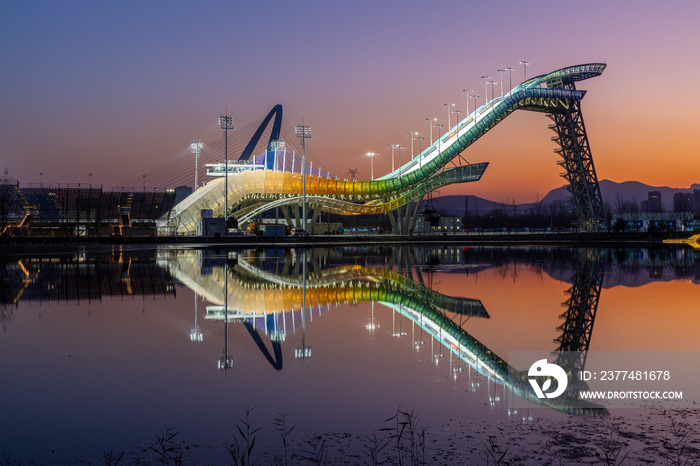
(117,89)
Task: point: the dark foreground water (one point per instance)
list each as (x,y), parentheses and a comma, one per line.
(103,352)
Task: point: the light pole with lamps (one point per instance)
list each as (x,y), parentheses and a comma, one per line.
(430,125)
(411,134)
(492,83)
(439,127)
(510,78)
(226,123)
(468,91)
(486,87)
(195,148)
(457,112)
(393,146)
(420,148)
(400,166)
(371,156)
(524,63)
(303,132)
(500,75)
(475,108)
(449,110)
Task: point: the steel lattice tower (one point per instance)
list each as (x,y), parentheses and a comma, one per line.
(578,162)
(579,317)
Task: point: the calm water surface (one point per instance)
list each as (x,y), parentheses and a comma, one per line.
(101,351)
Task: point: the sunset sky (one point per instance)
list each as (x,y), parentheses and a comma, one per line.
(117,89)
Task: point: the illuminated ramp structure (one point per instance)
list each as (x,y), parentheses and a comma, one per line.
(253,192)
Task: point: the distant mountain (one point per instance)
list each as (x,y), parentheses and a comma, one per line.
(627,191)
(613,194)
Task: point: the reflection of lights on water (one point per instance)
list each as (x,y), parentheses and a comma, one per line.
(399,334)
(302,353)
(225,363)
(278,336)
(196,335)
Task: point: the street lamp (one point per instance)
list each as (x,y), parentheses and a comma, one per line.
(371,156)
(492,83)
(500,74)
(468,91)
(524,63)
(400,166)
(393,146)
(510,78)
(303,132)
(195,148)
(420,149)
(449,108)
(411,134)
(430,125)
(457,112)
(475,108)
(439,127)
(226,123)
(486,87)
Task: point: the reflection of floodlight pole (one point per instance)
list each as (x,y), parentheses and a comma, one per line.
(372,326)
(304,352)
(303,132)
(371,156)
(195,333)
(226,362)
(196,148)
(226,123)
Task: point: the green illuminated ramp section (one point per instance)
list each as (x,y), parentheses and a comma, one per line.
(396,188)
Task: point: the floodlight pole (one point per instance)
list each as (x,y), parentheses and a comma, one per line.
(468,91)
(196,149)
(510,78)
(226,123)
(524,63)
(303,132)
(486,88)
(371,156)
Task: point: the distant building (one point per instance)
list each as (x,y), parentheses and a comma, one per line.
(442,224)
(181,192)
(654,202)
(683,202)
(642,221)
(696,200)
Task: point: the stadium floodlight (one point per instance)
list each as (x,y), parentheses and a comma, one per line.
(196,149)
(303,132)
(226,123)
(371,156)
